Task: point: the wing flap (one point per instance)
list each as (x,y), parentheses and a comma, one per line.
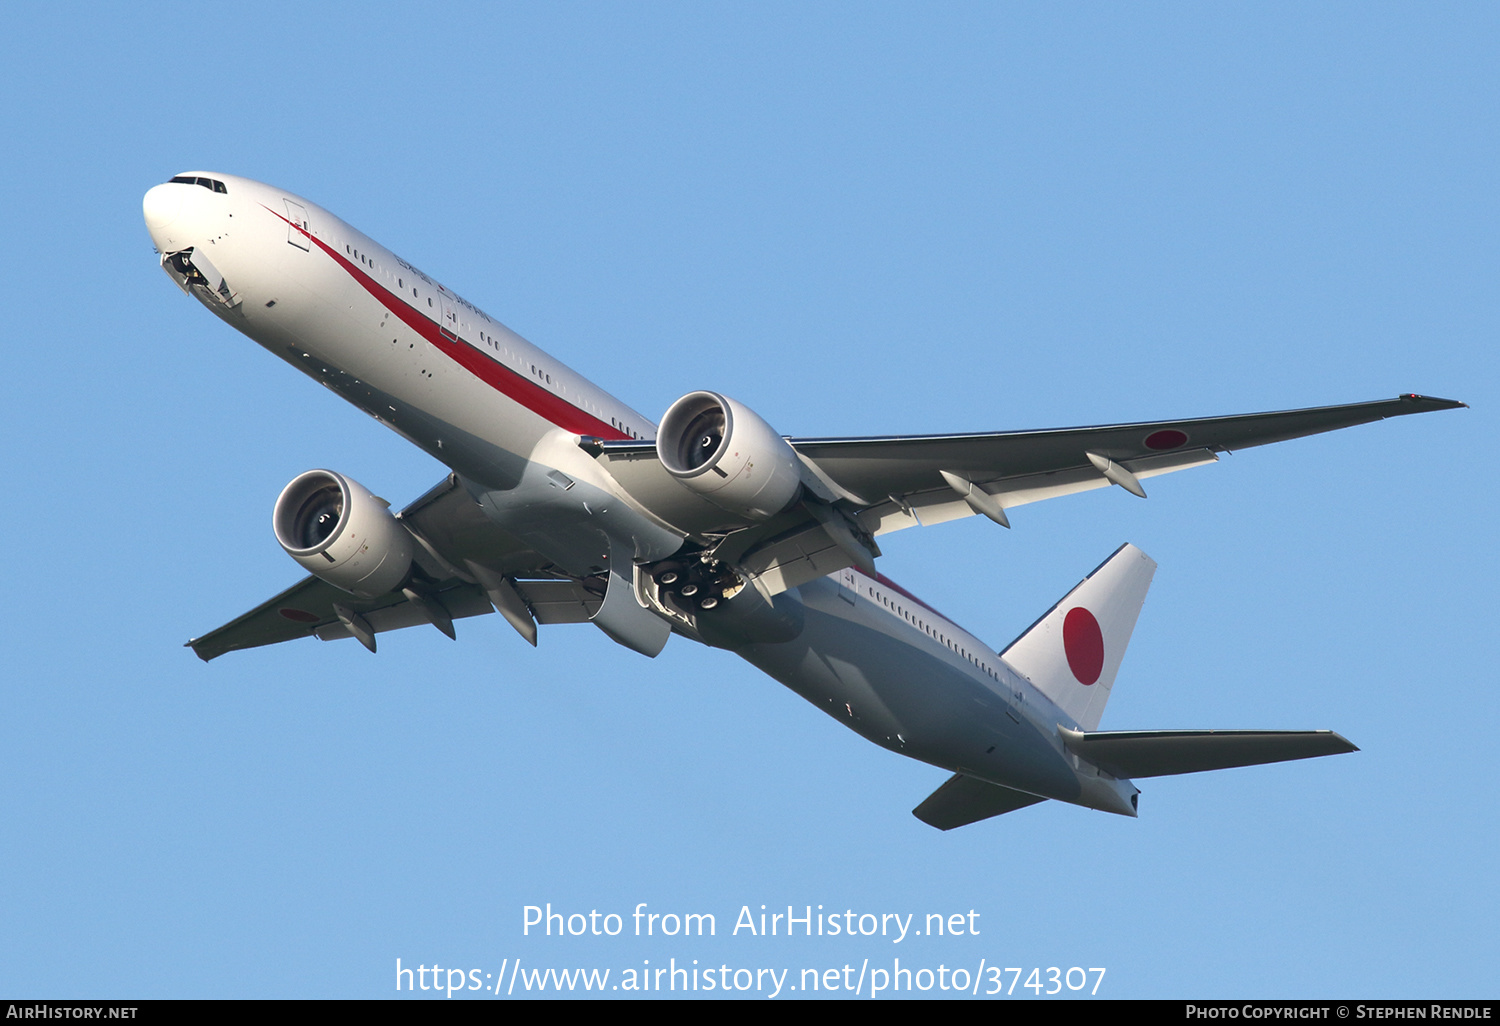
(460,602)
(963,800)
(803,556)
(939,505)
(1130,754)
(560,601)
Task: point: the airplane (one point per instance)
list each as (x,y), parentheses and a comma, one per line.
(564,505)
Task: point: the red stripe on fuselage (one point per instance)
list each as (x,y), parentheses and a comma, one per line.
(510,383)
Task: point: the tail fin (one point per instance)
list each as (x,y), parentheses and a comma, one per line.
(1073,652)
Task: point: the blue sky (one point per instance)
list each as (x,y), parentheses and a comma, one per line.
(857,219)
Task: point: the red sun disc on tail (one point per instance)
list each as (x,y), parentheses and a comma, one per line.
(1084,644)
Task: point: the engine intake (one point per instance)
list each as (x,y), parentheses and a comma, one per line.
(341,533)
(723,451)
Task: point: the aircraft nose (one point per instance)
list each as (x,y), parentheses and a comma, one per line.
(162,204)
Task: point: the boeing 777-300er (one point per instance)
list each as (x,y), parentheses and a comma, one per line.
(564,505)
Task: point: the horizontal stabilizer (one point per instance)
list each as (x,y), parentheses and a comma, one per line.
(964,800)
(1161,753)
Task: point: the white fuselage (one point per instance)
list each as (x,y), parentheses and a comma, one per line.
(504,415)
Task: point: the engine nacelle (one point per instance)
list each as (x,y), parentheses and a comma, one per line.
(724,452)
(340,532)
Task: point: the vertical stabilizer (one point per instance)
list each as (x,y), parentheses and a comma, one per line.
(1073,652)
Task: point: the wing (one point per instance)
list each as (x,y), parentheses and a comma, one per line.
(468,567)
(1019,467)
(860,488)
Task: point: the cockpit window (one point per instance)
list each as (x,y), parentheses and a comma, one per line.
(211,184)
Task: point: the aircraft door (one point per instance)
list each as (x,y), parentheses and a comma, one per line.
(848,586)
(297,214)
(448,322)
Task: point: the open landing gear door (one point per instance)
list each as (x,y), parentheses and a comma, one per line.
(621,616)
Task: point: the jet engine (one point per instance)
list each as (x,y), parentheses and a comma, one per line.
(340,532)
(724,452)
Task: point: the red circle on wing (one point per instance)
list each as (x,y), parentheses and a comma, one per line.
(1084,644)
(299,615)
(1166,438)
